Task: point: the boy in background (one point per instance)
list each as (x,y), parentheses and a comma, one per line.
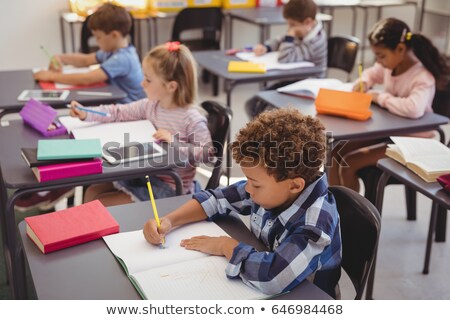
(119,62)
(305,40)
(285,194)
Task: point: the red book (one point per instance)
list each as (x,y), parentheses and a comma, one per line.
(67,170)
(45,85)
(69,227)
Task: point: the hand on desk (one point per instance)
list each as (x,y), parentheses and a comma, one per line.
(163,135)
(75,112)
(44,75)
(217,246)
(259,50)
(154,235)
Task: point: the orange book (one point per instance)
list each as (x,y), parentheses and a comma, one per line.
(69,227)
(352,105)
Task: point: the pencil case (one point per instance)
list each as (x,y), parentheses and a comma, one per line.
(42,118)
(444,181)
(352,105)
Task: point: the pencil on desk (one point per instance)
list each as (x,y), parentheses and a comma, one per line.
(155,211)
(105,114)
(52,59)
(360,69)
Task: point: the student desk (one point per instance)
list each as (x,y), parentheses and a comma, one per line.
(90,271)
(17,178)
(433,191)
(262,17)
(216,62)
(12,83)
(381,124)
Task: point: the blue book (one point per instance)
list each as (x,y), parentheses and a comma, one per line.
(60,149)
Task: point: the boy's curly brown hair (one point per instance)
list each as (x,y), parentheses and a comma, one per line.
(287,143)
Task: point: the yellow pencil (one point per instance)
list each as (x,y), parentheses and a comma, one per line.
(155,211)
(360,69)
(52,59)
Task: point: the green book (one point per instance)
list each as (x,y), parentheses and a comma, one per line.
(59,149)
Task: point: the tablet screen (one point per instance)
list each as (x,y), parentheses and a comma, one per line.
(133,153)
(45,95)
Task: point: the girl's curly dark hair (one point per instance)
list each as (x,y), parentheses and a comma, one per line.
(287,143)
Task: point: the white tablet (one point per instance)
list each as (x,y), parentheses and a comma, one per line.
(133,153)
(44,95)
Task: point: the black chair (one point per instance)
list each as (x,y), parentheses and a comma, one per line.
(206,20)
(86,35)
(219,120)
(342,52)
(360,229)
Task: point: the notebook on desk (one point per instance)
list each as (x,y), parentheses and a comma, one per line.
(174,272)
(270,60)
(121,141)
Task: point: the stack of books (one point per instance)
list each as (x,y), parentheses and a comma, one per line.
(65,158)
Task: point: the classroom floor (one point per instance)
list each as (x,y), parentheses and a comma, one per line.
(402,243)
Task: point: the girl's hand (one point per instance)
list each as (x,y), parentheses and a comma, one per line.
(154,235)
(217,246)
(357,86)
(259,50)
(163,135)
(75,112)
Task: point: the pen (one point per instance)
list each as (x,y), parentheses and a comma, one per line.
(105,114)
(94,93)
(52,59)
(360,68)
(155,212)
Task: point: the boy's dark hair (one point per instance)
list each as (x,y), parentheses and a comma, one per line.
(287,143)
(299,10)
(110,17)
(390,32)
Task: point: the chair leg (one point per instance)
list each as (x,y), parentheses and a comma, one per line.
(441,224)
(432,226)
(215,84)
(410,195)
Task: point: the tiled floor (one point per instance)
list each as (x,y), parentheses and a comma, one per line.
(402,243)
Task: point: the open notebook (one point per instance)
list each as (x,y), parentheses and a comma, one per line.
(270,60)
(309,88)
(70,70)
(117,137)
(174,273)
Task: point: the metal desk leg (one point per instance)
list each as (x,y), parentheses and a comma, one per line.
(72,36)
(264,33)
(354,21)
(155,31)
(228,88)
(63,36)
(379,205)
(431,228)
(441,224)
(363,44)
(229,32)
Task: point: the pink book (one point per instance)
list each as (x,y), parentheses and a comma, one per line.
(67,170)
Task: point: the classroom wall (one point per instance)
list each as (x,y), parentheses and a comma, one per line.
(24,31)
(25,26)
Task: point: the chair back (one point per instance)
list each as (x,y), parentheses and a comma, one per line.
(342,52)
(86,34)
(208,20)
(360,229)
(219,120)
(441,101)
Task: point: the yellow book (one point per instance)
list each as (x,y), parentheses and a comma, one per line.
(428,158)
(245,66)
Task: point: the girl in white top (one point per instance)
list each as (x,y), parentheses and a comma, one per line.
(170,83)
(410,69)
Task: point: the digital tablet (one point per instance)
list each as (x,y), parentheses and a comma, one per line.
(43,95)
(133,153)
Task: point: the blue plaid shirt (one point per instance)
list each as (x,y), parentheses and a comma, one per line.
(301,240)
